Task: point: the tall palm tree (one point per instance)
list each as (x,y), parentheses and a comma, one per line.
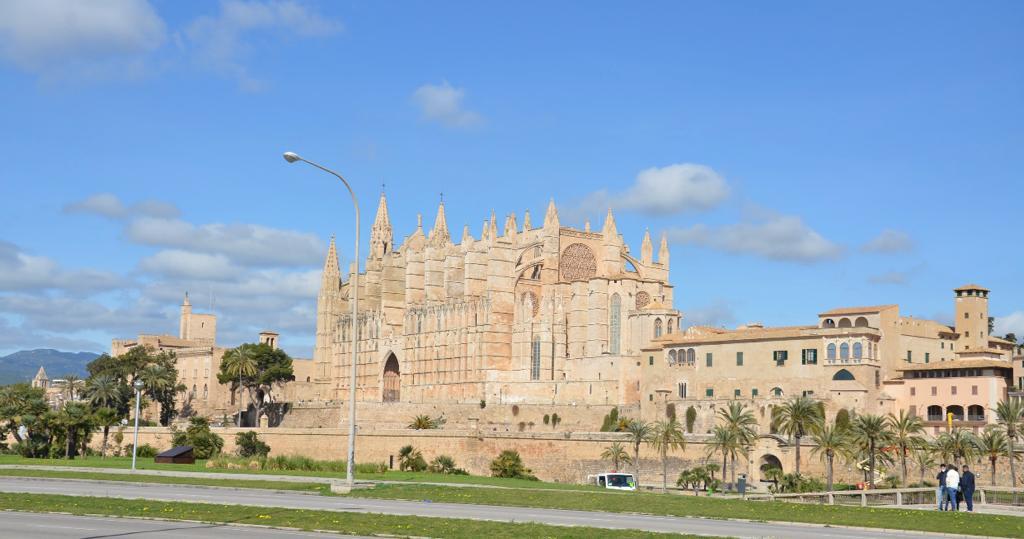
(103,391)
(615,453)
(739,420)
(639,431)
(830,441)
(992,444)
(797,417)
(106,418)
(906,434)
(72,386)
(924,459)
(240,363)
(871,432)
(724,441)
(1009,417)
(957,444)
(666,438)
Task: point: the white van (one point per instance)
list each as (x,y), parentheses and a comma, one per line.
(614,481)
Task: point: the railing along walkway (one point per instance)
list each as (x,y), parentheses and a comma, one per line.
(895,497)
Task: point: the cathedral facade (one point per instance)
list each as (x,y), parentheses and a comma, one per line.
(521,314)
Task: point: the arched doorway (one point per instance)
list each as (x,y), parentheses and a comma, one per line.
(769,462)
(392,380)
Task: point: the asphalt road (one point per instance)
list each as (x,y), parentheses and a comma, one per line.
(24,525)
(264,498)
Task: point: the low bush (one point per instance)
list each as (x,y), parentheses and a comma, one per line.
(443,464)
(204,443)
(249,444)
(145,451)
(509,464)
(411,459)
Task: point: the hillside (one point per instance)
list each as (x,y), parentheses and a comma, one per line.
(22,366)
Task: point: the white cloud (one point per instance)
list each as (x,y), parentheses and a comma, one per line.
(889,241)
(243,243)
(1011,323)
(219,43)
(716,314)
(776,237)
(62,37)
(443,103)
(185,264)
(667,190)
(890,277)
(23,271)
(109,205)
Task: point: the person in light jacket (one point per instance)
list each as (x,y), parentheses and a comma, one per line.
(952,488)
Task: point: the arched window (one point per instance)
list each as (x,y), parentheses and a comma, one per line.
(206,391)
(671,325)
(860,322)
(691,357)
(844,351)
(845,323)
(615,324)
(957,411)
(935,413)
(831,350)
(858,350)
(843,374)
(828,323)
(657,328)
(535,359)
(671,357)
(776,391)
(975,413)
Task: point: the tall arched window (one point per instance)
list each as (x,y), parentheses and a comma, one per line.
(671,325)
(535,359)
(615,324)
(844,351)
(206,391)
(671,357)
(691,357)
(657,328)
(858,350)
(831,353)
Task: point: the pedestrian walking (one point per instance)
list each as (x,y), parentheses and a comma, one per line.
(952,488)
(967,487)
(940,489)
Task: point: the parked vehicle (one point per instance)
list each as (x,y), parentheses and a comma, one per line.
(614,481)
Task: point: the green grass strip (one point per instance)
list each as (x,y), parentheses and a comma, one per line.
(164,480)
(340,522)
(690,506)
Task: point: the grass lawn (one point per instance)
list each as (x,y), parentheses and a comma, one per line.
(319,488)
(675,505)
(200,466)
(348,523)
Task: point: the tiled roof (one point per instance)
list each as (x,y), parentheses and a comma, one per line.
(859,310)
(957,364)
(971,287)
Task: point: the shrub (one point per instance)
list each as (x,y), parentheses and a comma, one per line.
(411,459)
(611,420)
(547,419)
(483,404)
(443,464)
(555,420)
(843,419)
(515,410)
(522,426)
(509,464)
(205,444)
(670,411)
(146,451)
(372,467)
(249,444)
(691,418)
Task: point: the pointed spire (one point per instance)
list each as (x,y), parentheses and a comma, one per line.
(381,235)
(485,231)
(467,238)
(586,225)
(493,227)
(551,216)
(41,374)
(510,225)
(331,262)
(186,303)
(646,249)
(609,231)
(527,225)
(439,236)
(663,250)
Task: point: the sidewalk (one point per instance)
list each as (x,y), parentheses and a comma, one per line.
(990,509)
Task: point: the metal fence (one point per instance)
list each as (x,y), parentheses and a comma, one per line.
(895,497)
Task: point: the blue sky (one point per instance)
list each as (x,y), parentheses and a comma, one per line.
(800,156)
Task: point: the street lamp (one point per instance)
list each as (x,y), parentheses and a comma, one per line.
(137,384)
(354,285)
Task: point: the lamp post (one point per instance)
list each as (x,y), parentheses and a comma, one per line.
(137,384)
(354,285)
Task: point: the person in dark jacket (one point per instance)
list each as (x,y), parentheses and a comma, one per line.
(940,492)
(967,487)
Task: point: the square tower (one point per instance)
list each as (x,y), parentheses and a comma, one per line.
(972,317)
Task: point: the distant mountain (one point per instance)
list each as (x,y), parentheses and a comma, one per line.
(22,366)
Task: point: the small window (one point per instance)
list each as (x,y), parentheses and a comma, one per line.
(753,392)
(966,316)
(807,393)
(809,356)
(974,390)
(739,359)
(736,393)
(913,391)
(952,390)
(682,390)
(709,392)
(709,359)
(935,391)
(776,391)
(910,356)
(650,397)
(780,357)
(844,351)
(927,357)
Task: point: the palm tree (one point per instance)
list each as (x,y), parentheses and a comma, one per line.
(240,362)
(739,420)
(870,432)
(639,431)
(1009,417)
(924,458)
(797,418)
(72,385)
(615,453)
(106,418)
(830,441)
(906,434)
(421,422)
(992,444)
(103,391)
(667,437)
(722,440)
(957,444)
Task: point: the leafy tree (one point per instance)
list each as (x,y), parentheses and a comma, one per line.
(610,421)
(157,370)
(871,433)
(73,385)
(106,418)
(1010,418)
(797,417)
(830,442)
(161,384)
(76,425)
(639,431)
(992,444)
(740,421)
(18,401)
(205,444)
(250,445)
(666,438)
(907,431)
(615,453)
(273,369)
(411,459)
(510,464)
(691,418)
